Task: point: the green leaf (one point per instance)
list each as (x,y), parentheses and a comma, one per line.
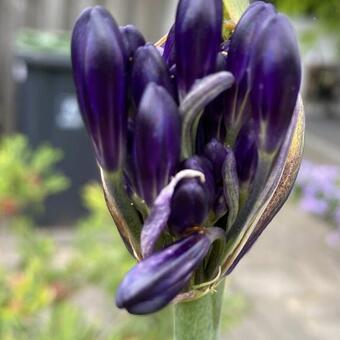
(235,8)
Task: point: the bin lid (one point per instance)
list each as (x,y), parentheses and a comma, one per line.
(44,60)
(44,49)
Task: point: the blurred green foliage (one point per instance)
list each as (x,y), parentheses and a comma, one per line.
(66,322)
(28,176)
(35,294)
(327,12)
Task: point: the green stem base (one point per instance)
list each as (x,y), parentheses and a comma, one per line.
(199,319)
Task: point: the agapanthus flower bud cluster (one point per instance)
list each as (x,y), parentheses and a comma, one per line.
(198,139)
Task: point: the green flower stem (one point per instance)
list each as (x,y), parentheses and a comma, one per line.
(199,319)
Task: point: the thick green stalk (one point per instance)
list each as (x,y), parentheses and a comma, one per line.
(199,319)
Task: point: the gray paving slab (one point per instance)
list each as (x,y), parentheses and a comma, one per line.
(322,135)
(292,280)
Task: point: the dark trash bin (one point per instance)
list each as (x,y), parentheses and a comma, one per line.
(47,111)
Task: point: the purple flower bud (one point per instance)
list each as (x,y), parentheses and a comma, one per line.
(216,152)
(160,212)
(189,206)
(198,31)
(246,154)
(157,141)
(193,199)
(99,69)
(203,165)
(148,67)
(132,39)
(243,38)
(276,78)
(155,281)
(236,102)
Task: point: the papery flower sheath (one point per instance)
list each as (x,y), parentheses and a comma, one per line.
(198,139)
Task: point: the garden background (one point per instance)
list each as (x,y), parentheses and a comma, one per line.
(61,258)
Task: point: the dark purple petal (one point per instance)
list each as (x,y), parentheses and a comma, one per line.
(198,31)
(242,40)
(99,69)
(160,212)
(276,78)
(173,78)
(221,62)
(246,154)
(189,206)
(169,54)
(236,101)
(158,300)
(173,71)
(154,282)
(157,141)
(129,163)
(132,39)
(148,67)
